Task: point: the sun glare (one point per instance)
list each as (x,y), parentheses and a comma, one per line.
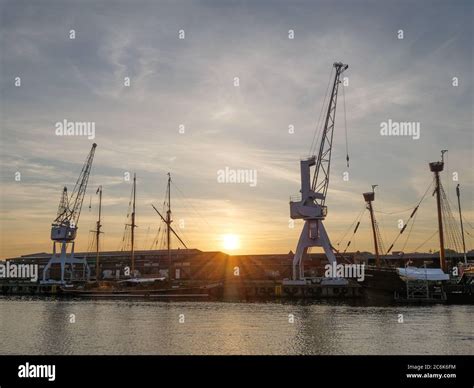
(230,241)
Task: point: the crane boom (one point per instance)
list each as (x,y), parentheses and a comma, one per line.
(77,197)
(323,162)
(64,226)
(63,207)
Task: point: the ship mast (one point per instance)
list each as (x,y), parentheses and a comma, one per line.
(458,193)
(133,225)
(168,221)
(369,198)
(436,168)
(98,232)
(168,226)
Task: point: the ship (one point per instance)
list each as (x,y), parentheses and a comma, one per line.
(143,288)
(135,284)
(426,284)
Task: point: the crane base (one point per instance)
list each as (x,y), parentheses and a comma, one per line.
(67,263)
(313,235)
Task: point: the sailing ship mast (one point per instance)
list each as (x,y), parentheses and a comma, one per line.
(98,232)
(436,168)
(369,198)
(168,220)
(133,225)
(458,193)
(168,226)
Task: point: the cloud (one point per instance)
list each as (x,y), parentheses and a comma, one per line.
(190,82)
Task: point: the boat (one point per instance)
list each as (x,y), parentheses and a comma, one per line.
(421,284)
(415,273)
(143,288)
(462,290)
(136,285)
(384,280)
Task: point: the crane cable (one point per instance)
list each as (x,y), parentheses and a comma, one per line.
(345,123)
(317,130)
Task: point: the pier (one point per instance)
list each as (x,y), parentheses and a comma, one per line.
(241,276)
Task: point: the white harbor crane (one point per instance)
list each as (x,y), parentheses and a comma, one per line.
(64,227)
(311,205)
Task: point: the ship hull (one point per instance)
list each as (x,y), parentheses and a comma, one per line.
(208,291)
(384,281)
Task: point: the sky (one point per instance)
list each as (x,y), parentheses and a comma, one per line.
(424,76)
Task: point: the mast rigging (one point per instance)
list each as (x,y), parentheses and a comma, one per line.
(169,229)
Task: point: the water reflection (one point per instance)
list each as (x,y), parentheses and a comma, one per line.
(43,326)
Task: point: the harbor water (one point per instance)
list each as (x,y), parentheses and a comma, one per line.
(65,326)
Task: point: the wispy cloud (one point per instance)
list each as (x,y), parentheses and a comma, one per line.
(190,82)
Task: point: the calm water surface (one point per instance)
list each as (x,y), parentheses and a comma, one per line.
(42,326)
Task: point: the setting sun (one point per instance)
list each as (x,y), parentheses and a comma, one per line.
(230,241)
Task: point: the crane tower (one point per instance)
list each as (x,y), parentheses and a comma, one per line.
(64,228)
(311,206)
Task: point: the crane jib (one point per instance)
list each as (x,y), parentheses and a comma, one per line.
(323,161)
(70,207)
